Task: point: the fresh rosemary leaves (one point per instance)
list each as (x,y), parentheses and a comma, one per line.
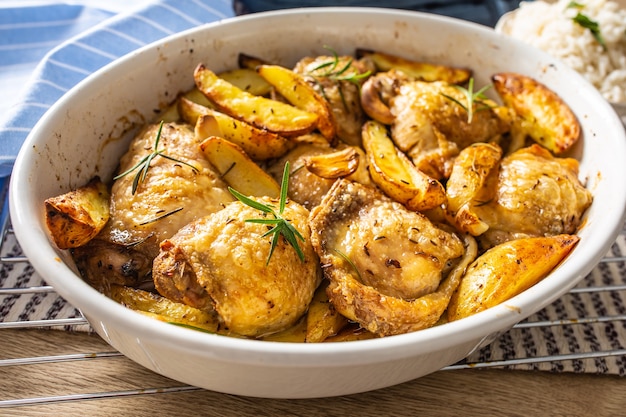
(282,227)
(332,71)
(472,98)
(143,166)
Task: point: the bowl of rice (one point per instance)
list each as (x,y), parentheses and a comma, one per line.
(588,35)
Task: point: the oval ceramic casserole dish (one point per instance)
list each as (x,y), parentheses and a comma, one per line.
(86,132)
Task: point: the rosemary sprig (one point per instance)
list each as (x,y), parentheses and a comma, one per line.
(350,262)
(160,216)
(143,166)
(282,227)
(472,98)
(341,73)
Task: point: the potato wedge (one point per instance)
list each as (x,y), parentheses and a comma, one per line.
(248,80)
(423,71)
(261,112)
(163,309)
(334,165)
(258,144)
(301,94)
(191,111)
(323,320)
(396,175)
(250,61)
(173,113)
(506,270)
(76,217)
(541,114)
(237,169)
(293,334)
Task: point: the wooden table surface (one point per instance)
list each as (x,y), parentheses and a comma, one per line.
(484,392)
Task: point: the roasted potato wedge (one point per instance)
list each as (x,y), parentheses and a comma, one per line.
(250,61)
(423,71)
(323,320)
(261,112)
(190,111)
(294,334)
(237,169)
(248,80)
(164,309)
(396,175)
(258,144)
(541,114)
(334,165)
(300,93)
(76,217)
(506,270)
(173,112)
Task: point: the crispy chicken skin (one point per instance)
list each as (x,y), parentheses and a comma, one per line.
(343,95)
(139,222)
(221,262)
(383,261)
(527,193)
(432,129)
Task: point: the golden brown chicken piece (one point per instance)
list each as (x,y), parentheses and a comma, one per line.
(527,193)
(432,129)
(338,80)
(385,263)
(221,262)
(171,195)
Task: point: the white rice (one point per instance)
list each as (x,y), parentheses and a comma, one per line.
(549,26)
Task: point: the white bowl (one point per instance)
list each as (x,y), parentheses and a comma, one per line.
(88,129)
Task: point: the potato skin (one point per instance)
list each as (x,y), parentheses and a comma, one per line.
(506,270)
(76,217)
(425,71)
(396,175)
(263,113)
(541,114)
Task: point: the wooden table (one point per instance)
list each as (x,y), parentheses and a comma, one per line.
(458,393)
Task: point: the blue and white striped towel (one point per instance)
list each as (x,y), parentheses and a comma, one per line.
(45,50)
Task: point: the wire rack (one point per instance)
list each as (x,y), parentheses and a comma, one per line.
(68,359)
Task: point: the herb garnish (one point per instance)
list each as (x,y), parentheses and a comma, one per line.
(587,23)
(471,98)
(347,259)
(340,74)
(160,216)
(281,225)
(144,165)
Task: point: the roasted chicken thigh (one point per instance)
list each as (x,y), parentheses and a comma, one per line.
(222,262)
(385,263)
(173,193)
(527,193)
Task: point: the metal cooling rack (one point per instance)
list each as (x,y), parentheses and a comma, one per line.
(5,230)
